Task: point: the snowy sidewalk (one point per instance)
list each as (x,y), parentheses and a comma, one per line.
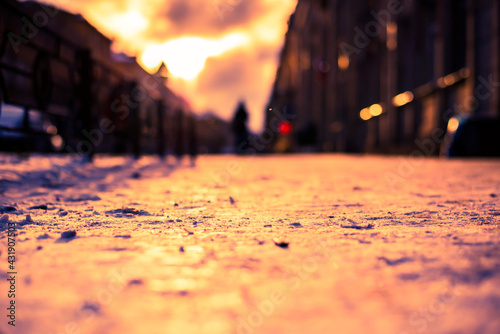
(279,244)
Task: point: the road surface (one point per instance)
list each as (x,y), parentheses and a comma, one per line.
(278,244)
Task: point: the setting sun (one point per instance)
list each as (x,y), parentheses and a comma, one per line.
(125,25)
(130,23)
(185,57)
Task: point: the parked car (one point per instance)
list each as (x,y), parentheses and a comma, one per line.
(475,136)
(36,133)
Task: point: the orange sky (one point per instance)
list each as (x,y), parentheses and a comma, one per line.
(219,51)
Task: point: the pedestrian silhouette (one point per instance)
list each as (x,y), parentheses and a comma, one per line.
(239,127)
(193,140)
(179,134)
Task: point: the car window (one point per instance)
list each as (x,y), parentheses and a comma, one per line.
(11,116)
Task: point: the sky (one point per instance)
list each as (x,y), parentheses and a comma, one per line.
(218,51)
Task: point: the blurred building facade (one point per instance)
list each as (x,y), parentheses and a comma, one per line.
(61,85)
(384,75)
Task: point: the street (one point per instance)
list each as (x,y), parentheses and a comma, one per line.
(273,244)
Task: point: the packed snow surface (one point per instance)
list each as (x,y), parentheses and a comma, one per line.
(278,244)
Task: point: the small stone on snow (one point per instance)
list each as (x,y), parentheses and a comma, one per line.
(8,208)
(68,234)
(281,243)
(38,207)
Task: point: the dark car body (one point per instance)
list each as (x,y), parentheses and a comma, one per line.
(36,133)
(476,137)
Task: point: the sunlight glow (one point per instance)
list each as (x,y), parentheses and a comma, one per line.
(131,23)
(185,57)
(141,28)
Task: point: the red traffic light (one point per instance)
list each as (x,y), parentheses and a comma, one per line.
(285,128)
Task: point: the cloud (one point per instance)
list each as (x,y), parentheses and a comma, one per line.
(236,76)
(207,18)
(245,72)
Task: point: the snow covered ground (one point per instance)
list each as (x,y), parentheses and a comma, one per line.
(279,244)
